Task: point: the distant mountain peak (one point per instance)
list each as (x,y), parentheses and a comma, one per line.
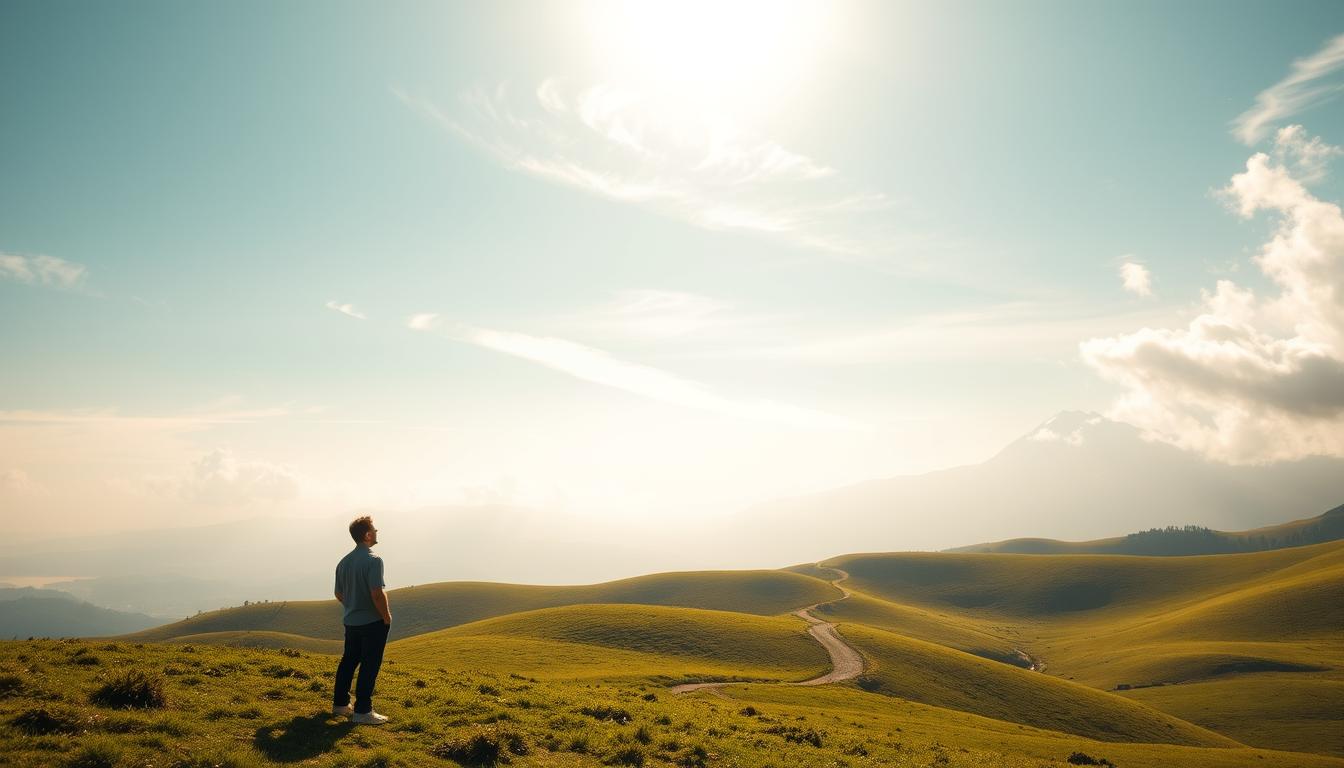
(1068,427)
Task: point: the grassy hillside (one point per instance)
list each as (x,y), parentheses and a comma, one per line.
(625,640)
(1061,587)
(245,708)
(429,607)
(931,674)
(1270,710)
(959,632)
(1188,540)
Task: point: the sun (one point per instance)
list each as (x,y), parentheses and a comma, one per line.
(726,53)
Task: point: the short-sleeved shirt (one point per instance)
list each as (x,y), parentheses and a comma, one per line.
(356,574)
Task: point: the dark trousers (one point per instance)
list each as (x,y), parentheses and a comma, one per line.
(364,649)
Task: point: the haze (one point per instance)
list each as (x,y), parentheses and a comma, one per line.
(535,283)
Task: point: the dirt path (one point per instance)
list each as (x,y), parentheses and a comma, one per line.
(846,663)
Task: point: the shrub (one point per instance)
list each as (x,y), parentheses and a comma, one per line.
(132,689)
(630,755)
(614,714)
(748,711)
(642,735)
(487,690)
(1082,758)
(482,747)
(41,721)
(100,753)
(797,735)
(10,685)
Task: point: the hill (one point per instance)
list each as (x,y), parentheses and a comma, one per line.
(44,613)
(625,640)
(1184,540)
(430,607)
(1071,477)
(246,708)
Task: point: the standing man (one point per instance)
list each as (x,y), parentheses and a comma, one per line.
(359,589)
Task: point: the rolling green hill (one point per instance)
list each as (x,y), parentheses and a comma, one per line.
(429,607)
(932,674)
(1186,540)
(627,639)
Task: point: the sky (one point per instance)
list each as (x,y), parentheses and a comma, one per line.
(647,261)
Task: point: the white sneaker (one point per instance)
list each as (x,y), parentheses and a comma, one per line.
(345,711)
(369,718)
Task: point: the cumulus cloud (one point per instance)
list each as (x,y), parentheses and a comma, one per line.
(346,309)
(692,165)
(1137,279)
(1301,89)
(1251,378)
(41,270)
(219,478)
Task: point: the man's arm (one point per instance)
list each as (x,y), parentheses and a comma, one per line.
(379,596)
(340,598)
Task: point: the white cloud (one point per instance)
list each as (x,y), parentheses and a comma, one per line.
(346,309)
(43,270)
(1293,94)
(423,321)
(655,314)
(220,479)
(1307,157)
(695,166)
(18,482)
(1251,378)
(599,367)
(1137,279)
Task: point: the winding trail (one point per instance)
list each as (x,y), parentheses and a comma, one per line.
(846,663)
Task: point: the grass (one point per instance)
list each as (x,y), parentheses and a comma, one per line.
(629,641)
(432,607)
(230,720)
(931,674)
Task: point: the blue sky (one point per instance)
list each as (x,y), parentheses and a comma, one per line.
(677,260)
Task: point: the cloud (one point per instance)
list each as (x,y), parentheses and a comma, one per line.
(1307,157)
(599,367)
(1251,378)
(692,165)
(1293,94)
(18,482)
(42,270)
(423,321)
(655,314)
(1137,278)
(220,479)
(346,309)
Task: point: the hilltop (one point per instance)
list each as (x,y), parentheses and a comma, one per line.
(1184,540)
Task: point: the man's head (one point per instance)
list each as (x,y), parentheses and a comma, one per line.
(363,532)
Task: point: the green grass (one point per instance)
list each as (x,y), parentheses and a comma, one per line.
(1270,710)
(246,707)
(932,674)
(619,640)
(426,608)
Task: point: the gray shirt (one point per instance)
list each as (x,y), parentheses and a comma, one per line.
(356,574)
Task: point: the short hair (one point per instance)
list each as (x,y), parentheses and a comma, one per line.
(360,526)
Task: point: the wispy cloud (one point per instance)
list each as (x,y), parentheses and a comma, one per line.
(695,166)
(423,321)
(1136,278)
(42,270)
(599,367)
(346,309)
(1298,91)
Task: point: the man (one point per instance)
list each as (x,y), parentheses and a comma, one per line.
(367,619)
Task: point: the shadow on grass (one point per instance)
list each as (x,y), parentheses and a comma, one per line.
(300,738)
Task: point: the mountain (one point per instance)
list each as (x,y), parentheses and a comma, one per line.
(1184,540)
(1077,476)
(53,614)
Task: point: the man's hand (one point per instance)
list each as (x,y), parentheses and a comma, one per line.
(340,598)
(379,596)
